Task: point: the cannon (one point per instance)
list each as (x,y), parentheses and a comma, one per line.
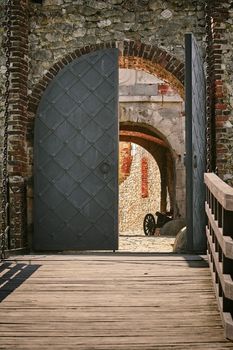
(150,224)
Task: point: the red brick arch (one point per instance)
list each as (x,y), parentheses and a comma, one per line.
(135,55)
(142,135)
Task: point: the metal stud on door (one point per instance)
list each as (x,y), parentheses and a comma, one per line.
(76,157)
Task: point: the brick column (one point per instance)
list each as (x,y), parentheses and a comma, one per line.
(210,94)
(163,200)
(17,156)
(218,107)
(125,160)
(144,177)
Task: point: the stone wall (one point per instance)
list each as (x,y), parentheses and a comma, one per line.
(132,206)
(166,119)
(61,26)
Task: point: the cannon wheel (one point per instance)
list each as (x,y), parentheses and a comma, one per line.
(149,225)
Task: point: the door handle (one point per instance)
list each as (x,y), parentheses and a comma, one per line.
(105,168)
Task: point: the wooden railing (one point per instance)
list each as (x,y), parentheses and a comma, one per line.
(219,231)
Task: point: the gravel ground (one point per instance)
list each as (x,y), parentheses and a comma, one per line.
(132,241)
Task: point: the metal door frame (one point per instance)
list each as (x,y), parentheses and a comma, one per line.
(189,158)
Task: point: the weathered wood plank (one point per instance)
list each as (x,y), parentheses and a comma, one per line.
(221,191)
(110,302)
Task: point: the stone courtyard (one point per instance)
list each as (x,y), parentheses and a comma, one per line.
(136,241)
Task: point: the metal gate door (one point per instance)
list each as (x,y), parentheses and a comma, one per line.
(76,157)
(195,145)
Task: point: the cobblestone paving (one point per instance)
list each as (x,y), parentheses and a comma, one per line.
(138,242)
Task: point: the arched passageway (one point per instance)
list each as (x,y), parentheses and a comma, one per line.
(151,115)
(160,151)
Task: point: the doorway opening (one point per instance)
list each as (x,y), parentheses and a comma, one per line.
(139,194)
(151,167)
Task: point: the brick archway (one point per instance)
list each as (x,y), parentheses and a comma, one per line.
(133,54)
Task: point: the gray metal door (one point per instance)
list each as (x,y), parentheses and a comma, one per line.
(76,157)
(195,145)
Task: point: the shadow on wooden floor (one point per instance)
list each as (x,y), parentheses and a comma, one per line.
(13,275)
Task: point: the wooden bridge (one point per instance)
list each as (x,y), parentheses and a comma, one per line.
(109,301)
(124,301)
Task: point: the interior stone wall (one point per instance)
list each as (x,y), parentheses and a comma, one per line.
(132,206)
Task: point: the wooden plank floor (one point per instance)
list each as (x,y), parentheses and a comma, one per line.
(108,301)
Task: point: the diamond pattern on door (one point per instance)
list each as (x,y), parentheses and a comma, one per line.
(76,157)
